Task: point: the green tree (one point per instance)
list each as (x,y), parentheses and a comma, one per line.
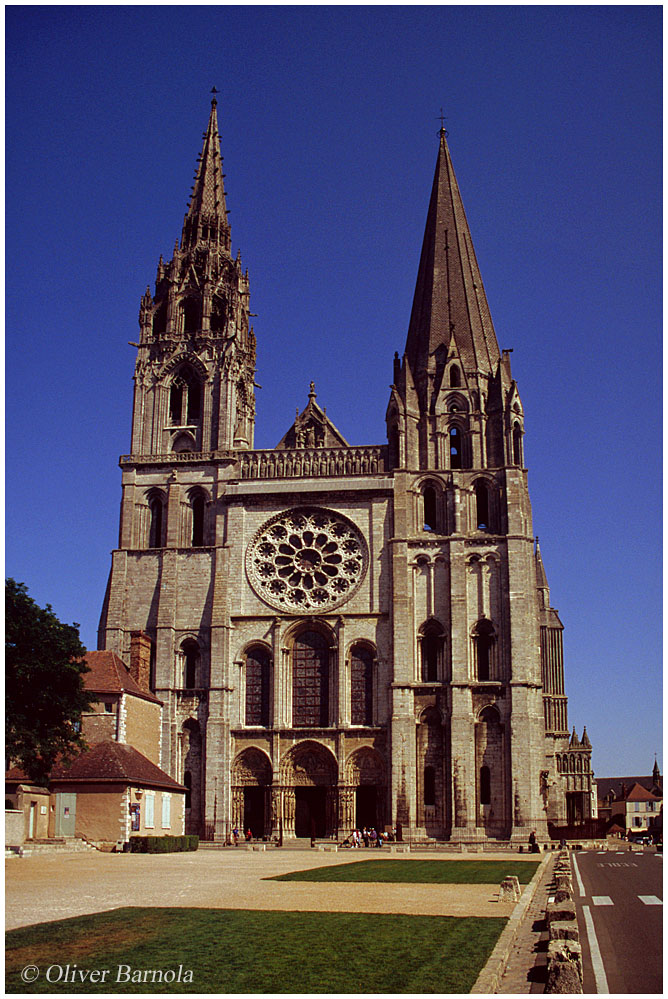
(45,694)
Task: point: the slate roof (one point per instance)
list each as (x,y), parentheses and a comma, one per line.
(606,785)
(450,301)
(109,675)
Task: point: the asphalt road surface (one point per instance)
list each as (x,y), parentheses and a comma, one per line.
(619,903)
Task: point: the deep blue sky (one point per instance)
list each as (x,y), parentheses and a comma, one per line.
(329,127)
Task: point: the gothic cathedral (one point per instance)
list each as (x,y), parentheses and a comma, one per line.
(340,635)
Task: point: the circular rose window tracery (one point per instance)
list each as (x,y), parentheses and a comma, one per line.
(306,560)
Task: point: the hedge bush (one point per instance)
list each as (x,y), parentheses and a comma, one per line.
(163,844)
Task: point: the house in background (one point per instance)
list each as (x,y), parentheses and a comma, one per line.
(116,787)
(632,804)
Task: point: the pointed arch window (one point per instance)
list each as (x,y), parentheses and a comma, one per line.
(455,377)
(258,664)
(310,680)
(361,685)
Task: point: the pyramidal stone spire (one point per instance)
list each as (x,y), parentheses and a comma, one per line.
(206,218)
(449,302)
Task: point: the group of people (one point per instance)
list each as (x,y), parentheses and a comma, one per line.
(366,837)
(236,835)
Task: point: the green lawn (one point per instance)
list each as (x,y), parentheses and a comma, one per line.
(235,951)
(442,872)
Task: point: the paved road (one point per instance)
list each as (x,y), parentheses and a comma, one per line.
(619,901)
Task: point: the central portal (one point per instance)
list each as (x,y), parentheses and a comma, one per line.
(310,812)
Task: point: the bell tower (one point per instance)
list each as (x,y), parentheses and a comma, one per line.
(467,625)
(194,376)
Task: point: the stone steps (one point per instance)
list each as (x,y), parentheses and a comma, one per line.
(45,847)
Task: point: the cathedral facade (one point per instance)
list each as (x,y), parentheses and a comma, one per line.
(340,635)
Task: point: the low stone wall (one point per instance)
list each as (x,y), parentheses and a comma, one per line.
(564,953)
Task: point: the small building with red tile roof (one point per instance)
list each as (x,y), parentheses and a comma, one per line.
(123,711)
(116,787)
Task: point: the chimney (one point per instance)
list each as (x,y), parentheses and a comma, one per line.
(140,660)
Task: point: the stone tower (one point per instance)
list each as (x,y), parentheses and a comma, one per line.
(341,635)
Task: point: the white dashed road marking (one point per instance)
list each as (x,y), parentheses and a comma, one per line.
(577,875)
(601,900)
(650,899)
(595,953)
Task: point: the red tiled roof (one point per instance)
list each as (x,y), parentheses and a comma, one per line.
(109,675)
(640,793)
(113,762)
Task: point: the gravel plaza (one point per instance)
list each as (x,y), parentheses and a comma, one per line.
(49,887)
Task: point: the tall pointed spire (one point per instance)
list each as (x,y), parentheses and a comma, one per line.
(449,299)
(206,218)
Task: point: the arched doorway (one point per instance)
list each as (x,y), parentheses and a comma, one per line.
(309,776)
(365,790)
(251,778)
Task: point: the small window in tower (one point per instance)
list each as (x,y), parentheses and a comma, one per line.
(190,652)
(430,647)
(482,506)
(155,532)
(429,509)
(455,379)
(484,642)
(429,786)
(188,782)
(198,506)
(455,447)
(485,786)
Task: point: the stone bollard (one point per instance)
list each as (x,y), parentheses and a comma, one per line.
(564,910)
(510,889)
(560,951)
(563,880)
(563,978)
(564,929)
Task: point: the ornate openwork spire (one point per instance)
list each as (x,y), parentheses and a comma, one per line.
(449,297)
(206,219)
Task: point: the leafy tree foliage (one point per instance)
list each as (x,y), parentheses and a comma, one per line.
(45,694)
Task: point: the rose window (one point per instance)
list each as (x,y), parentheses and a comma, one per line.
(306,559)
